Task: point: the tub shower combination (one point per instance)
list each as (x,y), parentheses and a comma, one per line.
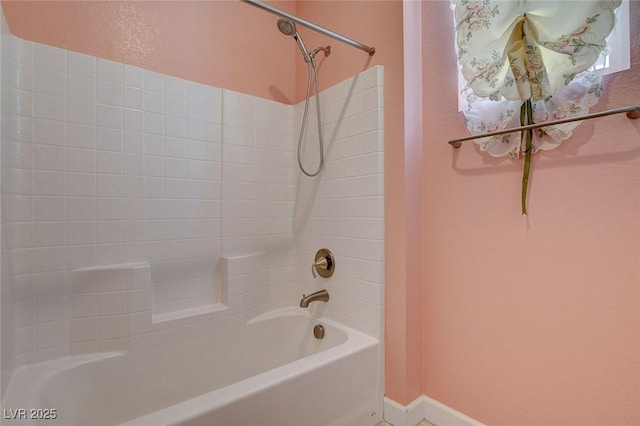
(261,370)
(223,324)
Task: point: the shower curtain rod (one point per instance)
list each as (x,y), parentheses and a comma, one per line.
(633,112)
(318,28)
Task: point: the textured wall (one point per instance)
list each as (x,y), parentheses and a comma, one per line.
(196,40)
(535,319)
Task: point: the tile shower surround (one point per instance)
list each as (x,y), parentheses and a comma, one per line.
(110,171)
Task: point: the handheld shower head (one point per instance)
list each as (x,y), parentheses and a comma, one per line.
(288,27)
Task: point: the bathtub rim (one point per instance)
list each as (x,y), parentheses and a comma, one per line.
(192,408)
(27,383)
(31,379)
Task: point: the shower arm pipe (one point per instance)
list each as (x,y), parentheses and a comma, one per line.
(264,6)
(633,112)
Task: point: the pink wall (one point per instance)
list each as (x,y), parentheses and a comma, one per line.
(210,42)
(531,320)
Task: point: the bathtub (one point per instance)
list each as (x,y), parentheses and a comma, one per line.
(269,371)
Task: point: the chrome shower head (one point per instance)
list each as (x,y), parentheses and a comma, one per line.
(287,27)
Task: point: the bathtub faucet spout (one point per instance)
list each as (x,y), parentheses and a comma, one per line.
(318,296)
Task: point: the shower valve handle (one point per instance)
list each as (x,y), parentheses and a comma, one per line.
(324,264)
(320,264)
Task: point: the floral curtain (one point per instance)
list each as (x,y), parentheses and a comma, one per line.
(529,61)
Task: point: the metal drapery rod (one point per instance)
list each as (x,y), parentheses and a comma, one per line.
(305,23)
(632,111)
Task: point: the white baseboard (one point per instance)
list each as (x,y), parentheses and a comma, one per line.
(399,415)
(425,408)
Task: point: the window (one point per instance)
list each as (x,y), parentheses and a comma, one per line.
(618,43)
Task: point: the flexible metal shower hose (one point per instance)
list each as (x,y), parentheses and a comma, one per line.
(311,66)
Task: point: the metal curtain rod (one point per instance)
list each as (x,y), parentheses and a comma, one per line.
(632,111)
(318,28)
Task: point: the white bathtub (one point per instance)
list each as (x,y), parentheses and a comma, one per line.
(270,371)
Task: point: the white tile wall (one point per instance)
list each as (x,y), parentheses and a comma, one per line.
(109,164)
(103,172)
(17,236)
(343,210)
(106,305)
(258,183)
